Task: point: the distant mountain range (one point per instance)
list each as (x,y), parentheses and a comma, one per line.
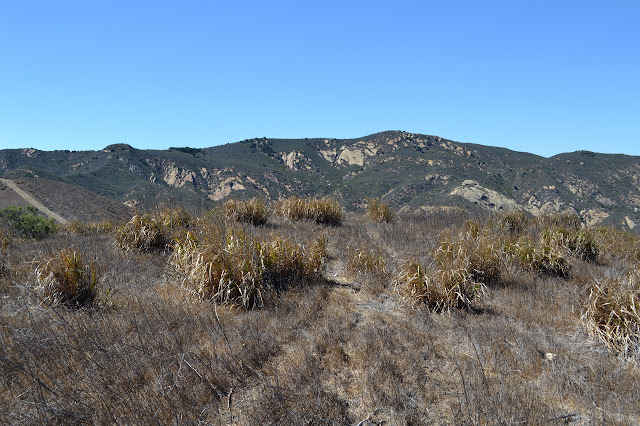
(410,171)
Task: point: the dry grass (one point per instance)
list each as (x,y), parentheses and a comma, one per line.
(322,352)
(379,211)
(146,232)
(363,261)
(253,211)
(612,312)
(227,265)
(323,211)
(68,279)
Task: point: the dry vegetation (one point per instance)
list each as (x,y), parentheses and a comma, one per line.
(430,319)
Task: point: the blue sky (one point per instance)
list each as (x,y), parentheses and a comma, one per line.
(543,77)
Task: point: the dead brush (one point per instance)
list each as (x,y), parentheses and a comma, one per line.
(324,211)
(612,313)
(153,232)
(478,249)
(464,264)
(439,290)
(577,243)
(68,279)
(230,267)
(253,211)
(365,261)
(617,244)
(551,249)
(379,211)
(535,256)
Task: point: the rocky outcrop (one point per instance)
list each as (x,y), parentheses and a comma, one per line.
(592,217)
(485,197)
(296,160)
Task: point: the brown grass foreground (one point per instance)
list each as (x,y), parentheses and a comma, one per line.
(535,346)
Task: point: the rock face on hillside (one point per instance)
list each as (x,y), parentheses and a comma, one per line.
(485,197)
(408,170)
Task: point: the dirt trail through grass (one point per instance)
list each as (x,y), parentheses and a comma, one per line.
(32,201)
(364,303)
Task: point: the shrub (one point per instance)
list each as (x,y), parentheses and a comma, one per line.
(617,244)
(475,249)
(253,211)
(578,243)
(464,264)
(439,290)
(227,266)
(378,211)
(323,211)
(67,279)
(566,220)
(146,232)
(537,257)
(28,224)
(612,313)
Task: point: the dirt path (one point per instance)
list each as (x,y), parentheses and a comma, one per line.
(32,201)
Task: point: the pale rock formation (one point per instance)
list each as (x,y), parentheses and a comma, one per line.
(485,197)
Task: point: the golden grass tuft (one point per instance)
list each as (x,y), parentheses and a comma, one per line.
(440,289)
(146,232)
(379,211)
(230,267)
(253,211)
(68,279)
(612,313)
(323,211)
(464,264)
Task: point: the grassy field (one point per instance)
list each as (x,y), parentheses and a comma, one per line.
(439,318)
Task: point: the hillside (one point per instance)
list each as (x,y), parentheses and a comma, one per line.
(68,202)
(408,170)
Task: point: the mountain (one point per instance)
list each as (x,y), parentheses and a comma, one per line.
(410,171)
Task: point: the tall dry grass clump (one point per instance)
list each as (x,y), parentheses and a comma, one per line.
(253,211)
(148,232)
(323,211)
(549,244)
(612,313)
(228,266)
(617,245)
(68,279)
(464,264)
(379,211)
(439,289)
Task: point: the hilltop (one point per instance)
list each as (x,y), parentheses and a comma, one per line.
(410,171)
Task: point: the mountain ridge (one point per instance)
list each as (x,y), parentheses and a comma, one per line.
(409,170)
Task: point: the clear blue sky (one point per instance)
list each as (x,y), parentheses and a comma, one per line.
(537,76)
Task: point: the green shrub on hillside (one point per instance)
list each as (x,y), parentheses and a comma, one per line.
(29,223)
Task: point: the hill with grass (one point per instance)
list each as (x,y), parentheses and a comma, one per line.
(410,171)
